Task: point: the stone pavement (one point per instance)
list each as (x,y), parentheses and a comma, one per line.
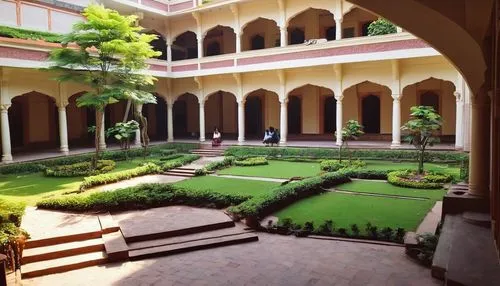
(274,260)
(149,179)
(250,178)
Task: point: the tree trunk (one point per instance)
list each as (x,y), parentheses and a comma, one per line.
(340,152)
(98,119)
(421,162)
(127,110)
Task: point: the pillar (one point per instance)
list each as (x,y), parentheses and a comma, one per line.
(63,130)
(396,121)
(238,42)
(459,126)
(169,55)
(338,28)
(202,121)
(241,121)
(102,134)
(138,109)
(283,36)
(480,147)
(200,46)
(4,120)
(284,120)
(338,130)
(170,122)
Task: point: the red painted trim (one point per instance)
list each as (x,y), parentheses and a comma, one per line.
(348,50)
(155,4)
(219,64)
(16,53)
(190,67)
(153,67)
(180,6)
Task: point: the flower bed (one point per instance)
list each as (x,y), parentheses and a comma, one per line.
(335,165)
(12,238)
(409,179)
(253,161)
(80,169)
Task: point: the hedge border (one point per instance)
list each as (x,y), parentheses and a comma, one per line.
(80,169)
(395,179)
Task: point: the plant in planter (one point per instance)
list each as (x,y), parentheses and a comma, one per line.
(123,132)
(421,131)
(351,131)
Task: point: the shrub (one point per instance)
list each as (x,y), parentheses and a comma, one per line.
(29,34)
(282,196)
(181,161)
(12,238)
(141,197)
(103,179)
(365,174)
(342,232)
(399,235)
(371,231)
(326,228)
(381,27)
(355,230)
(386,233)
(464,170)
(80,169)
(308,226)
(254,161)
(409,179)
(335,165)
(227,162)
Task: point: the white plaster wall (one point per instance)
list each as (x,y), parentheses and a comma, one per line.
(223,17)
(252,10)
(295,7)
(181,25)
(266,80)
(271,110)
(377,72)
(320,76)
(8,13)
(63,22)
(33,17)
(225,83)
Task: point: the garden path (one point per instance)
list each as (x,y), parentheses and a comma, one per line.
(250,178)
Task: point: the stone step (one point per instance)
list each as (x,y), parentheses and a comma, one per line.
(480,219)
(42,253)
(443,249)
(33,243)
(192,246)
(63,264)
(129,238)
(177,174)
(108,225)
(185,171)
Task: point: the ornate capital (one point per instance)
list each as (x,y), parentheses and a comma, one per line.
(458,96)
(283,101)
(4,107)
(396,97)
(339,98)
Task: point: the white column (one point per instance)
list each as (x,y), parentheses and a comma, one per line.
(102,136)
(138,109)
(202,121)
(338,121)
(396,121)
(63,130)
(238,43)
(241,121)
(459,126)
(338,28)
(283,36)
(170,122)
(284,120)
(169,56)
(4,118)
(200,46)
(399,29)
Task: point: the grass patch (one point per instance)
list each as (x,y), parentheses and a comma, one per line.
(376,165)
(346,210)
(276,169)
(228,185)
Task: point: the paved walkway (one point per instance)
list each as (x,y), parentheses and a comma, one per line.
(250,178)
(274,260)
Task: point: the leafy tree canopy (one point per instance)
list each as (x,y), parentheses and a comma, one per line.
(381,27)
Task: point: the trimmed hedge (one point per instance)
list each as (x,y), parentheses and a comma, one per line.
(430,156)
(142,197)
(80,169)
(118,155)
(429,181)
(253,161)
(102,179)
(179,162)
(335,165)
(284,195)
(365,174)
(18,33)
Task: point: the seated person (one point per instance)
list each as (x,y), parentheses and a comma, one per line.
(275,138)
(216,139)
(266,137)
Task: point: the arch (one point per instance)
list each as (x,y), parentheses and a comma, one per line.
(356,22)
(370,113)
(159,44)
(220,91)
(219,40)
(262,109)
(34,116)
(366,82)
(440,31)
(262,29)
(305,9)
(329,115)
(294,115)
(156,115)
(221,111)
(259,91)
(186,114)
(185,46)
(78,120)
(293,89)
(308,24)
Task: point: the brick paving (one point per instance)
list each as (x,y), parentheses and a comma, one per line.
(274,260)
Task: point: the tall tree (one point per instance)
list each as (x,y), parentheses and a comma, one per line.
(107,53)
(351,131)
(422,128)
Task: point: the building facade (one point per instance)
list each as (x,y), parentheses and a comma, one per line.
(303,67)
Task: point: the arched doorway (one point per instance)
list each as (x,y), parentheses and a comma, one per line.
(329,115)
(186,114)
(259,34)
(221,112)
(370,114)
(356,23)
(79,119)
(297,36)
(254,126)
(34,122)
(294,115)
(431,99)
(258,42)
(219,40)
(157,119)
(185,47)
(311,24)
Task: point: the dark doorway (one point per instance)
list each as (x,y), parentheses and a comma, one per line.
(370,106)
(213,49)
(430,99)
(157,130)
(180,118)
(297,36)
(253,117)
(330,115)
(185,47)
(331,33)
(364,28)
(90,122)
(294,115)
(16,123)
(258,42)
(160,45)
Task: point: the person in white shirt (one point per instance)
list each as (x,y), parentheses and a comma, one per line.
(216,139)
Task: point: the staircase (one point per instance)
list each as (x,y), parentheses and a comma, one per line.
(209,151)
(181,172)
(67,252)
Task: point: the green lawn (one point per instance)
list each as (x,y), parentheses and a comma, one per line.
(389,165)
(346,209)
(276,169)
(30,188)
(228,186)
(382,187)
